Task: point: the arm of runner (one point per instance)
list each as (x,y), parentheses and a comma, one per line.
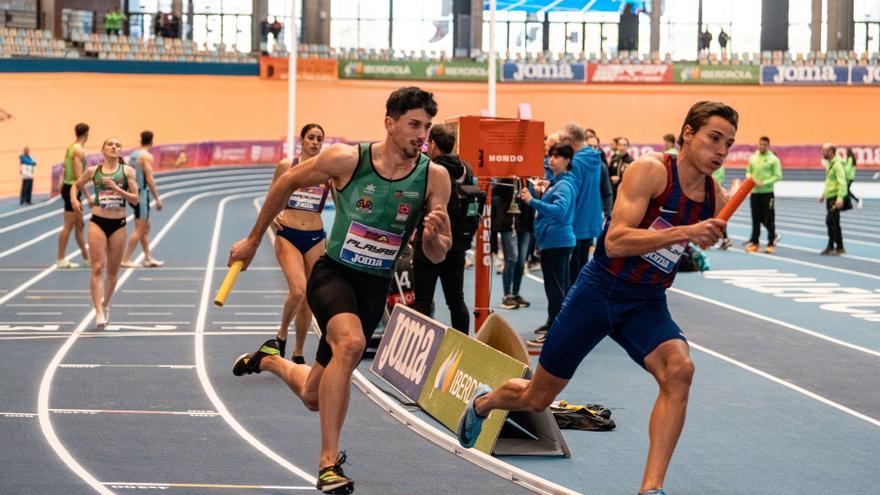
(148,178)
(437,236)
(80,183)
(337,162)
(131,195)
(646,179)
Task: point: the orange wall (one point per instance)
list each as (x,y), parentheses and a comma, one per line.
(45,107)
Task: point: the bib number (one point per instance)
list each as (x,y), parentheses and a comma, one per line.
(110,199)
(369,247)
(664,259)
(308,199)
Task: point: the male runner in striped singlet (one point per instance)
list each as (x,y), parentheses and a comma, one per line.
(142,161)
(381,191)
(663,203)
(74,165)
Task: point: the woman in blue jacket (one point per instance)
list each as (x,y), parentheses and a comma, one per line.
(554,229)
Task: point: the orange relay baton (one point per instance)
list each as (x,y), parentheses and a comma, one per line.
(228,282)
(733,203)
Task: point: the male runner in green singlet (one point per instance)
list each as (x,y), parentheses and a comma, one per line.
(381,191)
(74,165)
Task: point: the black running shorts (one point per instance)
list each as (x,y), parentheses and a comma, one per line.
(65,195)
(334,288)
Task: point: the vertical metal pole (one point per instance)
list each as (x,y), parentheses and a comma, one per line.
(291,81)
(492,70)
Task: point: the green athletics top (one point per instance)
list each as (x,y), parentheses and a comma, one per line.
(850,168)
(109,198)
(376,216)
(69,176)
(766,169)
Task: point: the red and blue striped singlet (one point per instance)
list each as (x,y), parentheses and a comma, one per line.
(671,208)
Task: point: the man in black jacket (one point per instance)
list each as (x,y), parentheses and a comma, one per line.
(441,142)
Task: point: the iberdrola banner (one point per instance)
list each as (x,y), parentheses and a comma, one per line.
(413,70)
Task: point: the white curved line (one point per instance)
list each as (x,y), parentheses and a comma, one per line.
(219,406)
(46,383)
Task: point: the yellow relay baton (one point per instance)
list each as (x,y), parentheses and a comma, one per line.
(228,282)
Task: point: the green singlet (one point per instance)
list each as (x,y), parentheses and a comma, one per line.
(69,177)
(108,198)
(375,216)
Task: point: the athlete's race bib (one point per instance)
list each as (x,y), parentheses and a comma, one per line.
(666,258)
(308,199)
(369,247)
(110,199)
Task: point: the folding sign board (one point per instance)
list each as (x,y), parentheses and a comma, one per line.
(498,147)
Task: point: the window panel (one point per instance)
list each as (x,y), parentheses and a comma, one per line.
(237,7)
(344,33)
(373,34)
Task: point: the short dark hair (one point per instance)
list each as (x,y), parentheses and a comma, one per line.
(146,138)
(700,113)
(442,136)
(308,127)
(669,138)
(410,98)
(562,151)
(764,138)
(81,129)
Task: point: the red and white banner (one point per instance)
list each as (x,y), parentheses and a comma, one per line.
(629,73)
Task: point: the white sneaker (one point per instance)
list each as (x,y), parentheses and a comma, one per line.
(100,320)
(87,263)
(63,263)
(129,264)
(106,315)
(153,262)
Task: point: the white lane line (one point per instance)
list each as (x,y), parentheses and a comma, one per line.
(83,291)
(88,335)
(41,305)
(160,291)
(125,485)
(40,296)
(46,383)
(249,305)
(207,288)
(236,314)
(38,313)
(151,322)
(75,253)
(149,314)
(786,384)
(244,322)
(168,279)
(764,374)
(164,366)
(14,323)
(26,209)
(776,322)
(811,236)
(249,327)
(29,221)
(196,413)
(786,245)
(777,256)
(262,291)
(128,218)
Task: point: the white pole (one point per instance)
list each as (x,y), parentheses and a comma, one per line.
(291,80)
(492,70)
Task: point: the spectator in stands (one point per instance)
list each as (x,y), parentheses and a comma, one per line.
(850,168)
(833,195)
(723,39)
(554,229)
(765,169)
(619,161)
(264,30)
(159,24)
(275,29)
(27,176)
(605,180)
(669,144)
(114,21)
(172,26)
(705,40)
(586,167)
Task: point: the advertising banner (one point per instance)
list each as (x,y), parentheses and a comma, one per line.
(306,68)
(861,75)
(413,70)
(630,73)
(460,366)
(716,74)
(805,75)
(407,351)
(534,72)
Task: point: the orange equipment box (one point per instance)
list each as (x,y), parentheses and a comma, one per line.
(497,147)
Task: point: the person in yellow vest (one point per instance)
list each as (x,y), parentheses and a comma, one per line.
(74,165)
(765,169)
(833,195)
